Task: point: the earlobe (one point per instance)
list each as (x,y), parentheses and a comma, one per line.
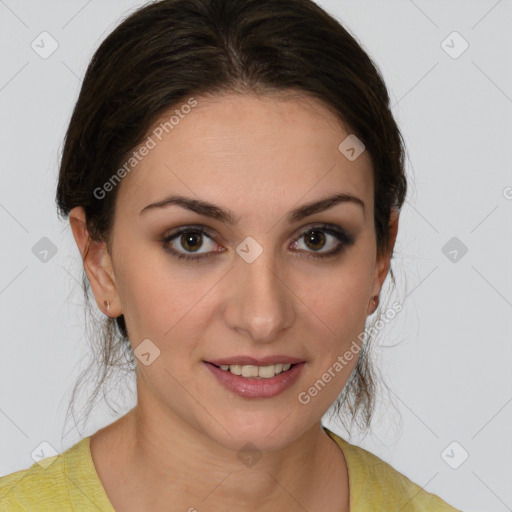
(97,264)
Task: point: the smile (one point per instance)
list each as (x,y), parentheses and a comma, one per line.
(256,381)
(257,372)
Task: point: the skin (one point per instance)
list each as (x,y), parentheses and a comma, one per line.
(259,157)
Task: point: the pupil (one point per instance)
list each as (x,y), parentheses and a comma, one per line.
(316,238)
(191,241)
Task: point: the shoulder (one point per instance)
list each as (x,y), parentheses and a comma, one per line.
(375,485)
(43,486)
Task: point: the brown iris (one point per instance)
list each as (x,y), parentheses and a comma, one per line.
(315,239)
(191,241)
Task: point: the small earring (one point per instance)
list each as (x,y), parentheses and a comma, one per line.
(107,305)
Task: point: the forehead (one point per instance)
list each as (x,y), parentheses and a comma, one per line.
(258,150)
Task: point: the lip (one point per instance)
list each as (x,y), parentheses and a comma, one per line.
(256,388)
(262,361)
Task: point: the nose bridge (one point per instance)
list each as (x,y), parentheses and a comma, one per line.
(260,305)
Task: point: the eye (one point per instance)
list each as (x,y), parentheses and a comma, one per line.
(188,241)
(324,240)
(196,242)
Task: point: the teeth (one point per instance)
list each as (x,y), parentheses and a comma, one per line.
(265,372)
(236,369)
(251,371)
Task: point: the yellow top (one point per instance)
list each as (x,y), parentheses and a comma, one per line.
(70,483)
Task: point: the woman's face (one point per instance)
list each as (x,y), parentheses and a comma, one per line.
(280,282)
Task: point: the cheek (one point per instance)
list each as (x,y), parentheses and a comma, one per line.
(161,301)
(334,325)
(340,299)
(164,300)
(338,312)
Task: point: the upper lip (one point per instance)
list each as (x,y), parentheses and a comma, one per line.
(262,361)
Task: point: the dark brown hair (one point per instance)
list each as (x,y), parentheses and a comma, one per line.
(170,50)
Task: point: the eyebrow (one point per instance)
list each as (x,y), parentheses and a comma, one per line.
(225,215)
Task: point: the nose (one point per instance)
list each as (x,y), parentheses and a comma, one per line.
(259,303)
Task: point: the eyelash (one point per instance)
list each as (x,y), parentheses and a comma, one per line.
(343,238)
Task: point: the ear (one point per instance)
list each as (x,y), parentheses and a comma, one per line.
(384,260)
(97,264)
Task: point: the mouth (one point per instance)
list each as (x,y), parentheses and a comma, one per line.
(251,378)
(250,371)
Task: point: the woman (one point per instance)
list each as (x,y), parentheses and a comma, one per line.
(233,178)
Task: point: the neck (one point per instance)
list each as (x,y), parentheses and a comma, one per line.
(174,463)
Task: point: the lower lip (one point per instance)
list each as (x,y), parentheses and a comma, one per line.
(256,388)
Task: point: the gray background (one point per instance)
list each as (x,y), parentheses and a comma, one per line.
(446,357)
